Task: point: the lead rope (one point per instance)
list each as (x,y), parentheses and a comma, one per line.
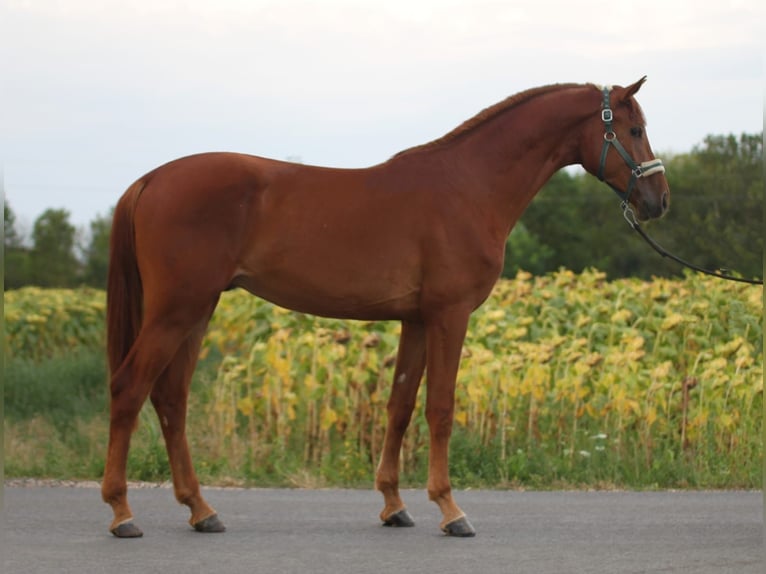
(630,217)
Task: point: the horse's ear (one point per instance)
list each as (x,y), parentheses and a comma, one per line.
(631,90)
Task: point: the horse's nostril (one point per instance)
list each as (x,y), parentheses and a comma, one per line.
(665,198)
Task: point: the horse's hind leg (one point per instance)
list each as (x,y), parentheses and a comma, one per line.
(156,345)
(169,397)
(125,405)
(410,363)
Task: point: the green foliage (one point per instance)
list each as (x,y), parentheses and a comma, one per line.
(722,207)
(17,272)
(59,388)
(36,448)
(715,217)
(524,251)
(97,252)
(55,415)
(11,236)
(147,458)
(52,258)
(16,256)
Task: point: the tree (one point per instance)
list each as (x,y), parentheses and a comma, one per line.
(717,206)
(52,259)
(11,236)
(16,257)
(97,251)
(577,223)
(715,218)
(524,251)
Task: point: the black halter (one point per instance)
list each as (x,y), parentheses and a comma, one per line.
(637,171)
(644,169)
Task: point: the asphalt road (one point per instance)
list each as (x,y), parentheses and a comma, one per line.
(64,530)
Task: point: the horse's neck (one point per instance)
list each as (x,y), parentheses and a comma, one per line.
(515,153)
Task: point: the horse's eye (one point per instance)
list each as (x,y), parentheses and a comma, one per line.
(636,132)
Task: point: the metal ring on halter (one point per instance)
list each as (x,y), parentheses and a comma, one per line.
(628,214)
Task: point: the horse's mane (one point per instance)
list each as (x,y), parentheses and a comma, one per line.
(488,114)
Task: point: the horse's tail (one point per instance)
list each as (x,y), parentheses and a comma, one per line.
(124,294)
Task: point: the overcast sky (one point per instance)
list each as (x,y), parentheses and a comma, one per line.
(97,92)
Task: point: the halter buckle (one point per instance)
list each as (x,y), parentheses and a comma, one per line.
(607,115)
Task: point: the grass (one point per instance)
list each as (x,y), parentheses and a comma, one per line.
(62,389)
(57,423)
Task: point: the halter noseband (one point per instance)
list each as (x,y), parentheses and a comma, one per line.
(644,169)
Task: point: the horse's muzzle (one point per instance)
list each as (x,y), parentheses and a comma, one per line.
(654,208)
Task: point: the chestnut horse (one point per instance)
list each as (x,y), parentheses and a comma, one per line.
(419,238)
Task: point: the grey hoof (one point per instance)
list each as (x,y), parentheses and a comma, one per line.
(210,524)
(127,530)
(460,528)
(401,518)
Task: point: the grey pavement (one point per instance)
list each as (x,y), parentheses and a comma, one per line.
(64,530)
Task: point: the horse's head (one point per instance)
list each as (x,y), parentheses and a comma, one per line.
(617,151)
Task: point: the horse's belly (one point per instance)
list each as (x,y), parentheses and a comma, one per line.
(364,296)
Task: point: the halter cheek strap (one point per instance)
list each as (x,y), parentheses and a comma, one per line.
(637,170)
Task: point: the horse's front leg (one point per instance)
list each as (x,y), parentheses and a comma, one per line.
(445,335)
(410,363)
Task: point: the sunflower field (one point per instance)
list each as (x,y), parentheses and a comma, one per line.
(566,380)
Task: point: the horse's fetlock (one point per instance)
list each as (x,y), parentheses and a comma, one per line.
(112,493)
(387,484)
(435,494)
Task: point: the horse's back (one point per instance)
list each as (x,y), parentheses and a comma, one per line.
(354,243)
(322,240)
